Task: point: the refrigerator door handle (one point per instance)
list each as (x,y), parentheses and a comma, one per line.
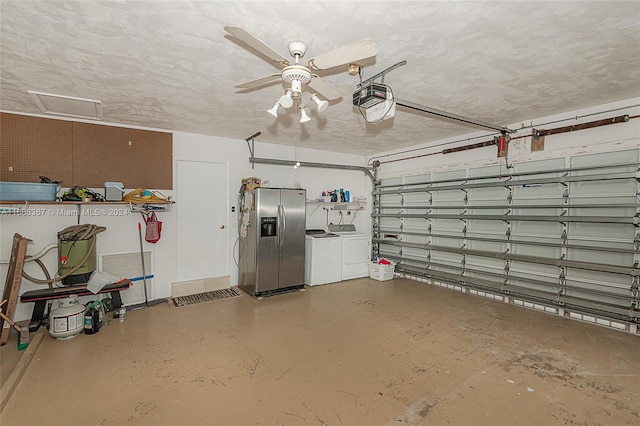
(283,222)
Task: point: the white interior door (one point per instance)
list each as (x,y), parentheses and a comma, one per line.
(201,220)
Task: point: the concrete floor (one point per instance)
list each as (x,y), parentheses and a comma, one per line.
(360,352)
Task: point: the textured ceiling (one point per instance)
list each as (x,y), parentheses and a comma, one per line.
(171,65)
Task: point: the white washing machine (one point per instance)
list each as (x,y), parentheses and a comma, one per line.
(356,251)
(323,257)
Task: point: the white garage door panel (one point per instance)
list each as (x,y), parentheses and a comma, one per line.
(540,251)
(603,279)
(535,229)
(419,198)
(599,159)
(416,224)
(485,264)
(593,256)
(600,232)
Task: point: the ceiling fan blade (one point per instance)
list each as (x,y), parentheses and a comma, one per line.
(327,90)
(245,36)
(348,54)
(259,81)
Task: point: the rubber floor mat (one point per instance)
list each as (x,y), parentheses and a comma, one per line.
(207,296)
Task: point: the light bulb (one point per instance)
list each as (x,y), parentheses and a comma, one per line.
(274,110)
(285,100)
(297,164)
(303,115)
(322,105)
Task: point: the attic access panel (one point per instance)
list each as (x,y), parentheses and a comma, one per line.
(67,106)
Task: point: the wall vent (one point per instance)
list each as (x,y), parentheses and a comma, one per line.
(67,105)
(129,265)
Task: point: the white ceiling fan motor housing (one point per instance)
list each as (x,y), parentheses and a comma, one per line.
(297,75)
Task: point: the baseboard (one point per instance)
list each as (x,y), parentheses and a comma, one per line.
(16,374)
(186,288)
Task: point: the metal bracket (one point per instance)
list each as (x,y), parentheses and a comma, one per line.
(383,73)
(252,146)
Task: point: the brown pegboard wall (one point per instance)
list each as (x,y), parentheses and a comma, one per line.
(137,158)
(83,154)
(34,147)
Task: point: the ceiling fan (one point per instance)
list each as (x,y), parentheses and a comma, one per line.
(297,74)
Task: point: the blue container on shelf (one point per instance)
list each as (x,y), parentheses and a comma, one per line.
(23,191)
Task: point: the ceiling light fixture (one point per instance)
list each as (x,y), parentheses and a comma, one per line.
(286,100)
(274,110)
(322,105)
(294,94)
(304,117)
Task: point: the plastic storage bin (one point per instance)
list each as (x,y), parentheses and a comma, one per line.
(113,191)
(381,272)
(22,191)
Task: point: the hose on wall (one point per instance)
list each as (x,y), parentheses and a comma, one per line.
(75,232)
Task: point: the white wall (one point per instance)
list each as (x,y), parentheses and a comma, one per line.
(607,138)
(121,235)
(236,154)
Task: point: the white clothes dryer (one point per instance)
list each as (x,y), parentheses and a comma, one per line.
(356,251)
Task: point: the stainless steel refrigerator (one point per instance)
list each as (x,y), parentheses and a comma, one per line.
(271,254)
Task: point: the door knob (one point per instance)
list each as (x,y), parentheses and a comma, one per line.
(221,226)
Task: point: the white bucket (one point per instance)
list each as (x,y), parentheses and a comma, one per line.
(67,320)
